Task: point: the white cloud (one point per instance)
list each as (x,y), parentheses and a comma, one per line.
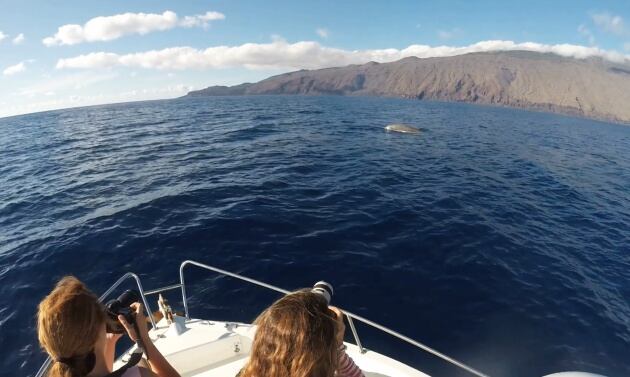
(2,36)
(56,100)
(610,23)
(307,55)
(113,27)
(91,60)
(15,69)
(586,33)
(202,20)
(67,82)
(626,46)
(323,32)
(449,34)
(19,39)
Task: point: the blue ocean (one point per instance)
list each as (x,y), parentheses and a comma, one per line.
(499,237)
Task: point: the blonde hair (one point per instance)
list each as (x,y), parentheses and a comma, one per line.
(69,322)
(295,338)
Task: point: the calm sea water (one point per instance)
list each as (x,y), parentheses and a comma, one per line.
(499,237)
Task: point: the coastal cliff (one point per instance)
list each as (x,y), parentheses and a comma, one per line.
(592,88)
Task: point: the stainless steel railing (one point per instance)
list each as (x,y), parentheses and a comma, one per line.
(350,316)
(182,285)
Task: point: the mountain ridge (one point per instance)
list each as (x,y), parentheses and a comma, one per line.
(592,88)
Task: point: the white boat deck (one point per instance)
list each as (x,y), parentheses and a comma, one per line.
(220,349)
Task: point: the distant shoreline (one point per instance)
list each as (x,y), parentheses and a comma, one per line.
(490,105)
(590,88)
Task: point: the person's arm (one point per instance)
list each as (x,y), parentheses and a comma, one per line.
(345,365)
(110,348)
(157,362)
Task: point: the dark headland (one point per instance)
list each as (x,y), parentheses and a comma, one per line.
(592,88)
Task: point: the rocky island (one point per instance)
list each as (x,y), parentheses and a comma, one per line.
(593,87)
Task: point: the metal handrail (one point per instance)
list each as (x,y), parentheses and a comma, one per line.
(42,370)
(162,289)
(350,316)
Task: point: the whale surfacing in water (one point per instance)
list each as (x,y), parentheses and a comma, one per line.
(396,127)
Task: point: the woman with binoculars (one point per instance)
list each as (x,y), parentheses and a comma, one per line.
(72,328)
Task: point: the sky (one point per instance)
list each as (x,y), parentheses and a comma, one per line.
(67,53)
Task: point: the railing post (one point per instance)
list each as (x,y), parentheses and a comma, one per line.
(181,281)
(356,335)
(144,301)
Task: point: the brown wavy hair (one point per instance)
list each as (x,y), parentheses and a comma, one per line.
(69,322)
(295,338)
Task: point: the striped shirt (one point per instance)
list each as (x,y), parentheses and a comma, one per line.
(347,367)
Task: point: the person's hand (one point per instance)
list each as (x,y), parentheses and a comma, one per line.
(341,327)
(113,338)
(140,320)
